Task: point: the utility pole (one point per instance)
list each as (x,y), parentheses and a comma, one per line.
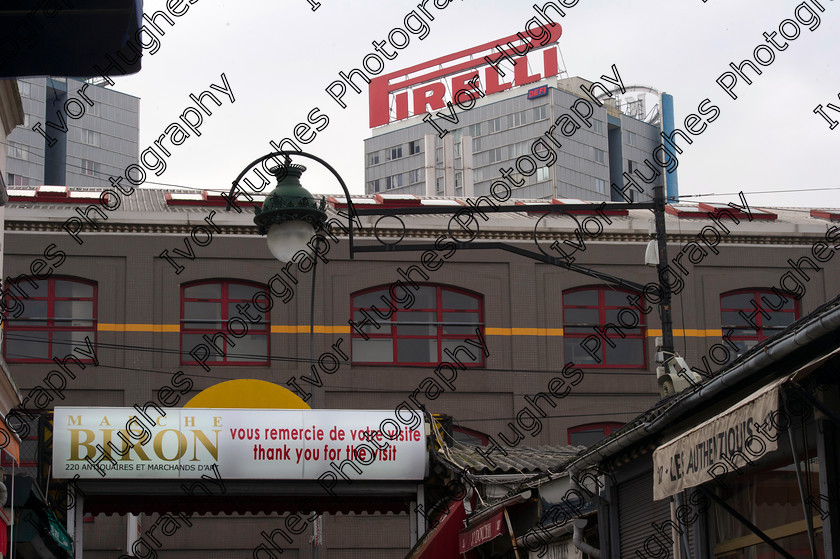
(661,270)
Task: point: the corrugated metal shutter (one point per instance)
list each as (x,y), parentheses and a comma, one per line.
(636,511)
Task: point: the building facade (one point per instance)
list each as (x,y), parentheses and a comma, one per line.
(411,157)
(540,359)
(741,465)
(74,133)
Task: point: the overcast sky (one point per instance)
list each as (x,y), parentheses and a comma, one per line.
(279,56)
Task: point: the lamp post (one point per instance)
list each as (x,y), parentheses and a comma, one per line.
(289,217)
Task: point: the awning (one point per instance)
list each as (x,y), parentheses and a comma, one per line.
(58,533)
(482,533)
(116,496)
(35,524)
(25,491)
(441,542)
(11,440)
(54,38)
(43,534)
(483,526)
(692,458)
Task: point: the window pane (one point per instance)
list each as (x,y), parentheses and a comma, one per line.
(587,297)
(573,351)
(630,318)
(771,301)
(778,319)
(617,298)
(731,318)
(586,438)
(426,329)
(425,298)
(454,300)
(469,317)
(373,350)
(38,290)
(737,301)
(239,291)
(411,350)
(205,291)
(210,313)
(27,345)
(373,298)
(73,313)
(252,347)
(64,342)
(580,316)
(370,327)
(72,289)
(32,309)
(256,321)
(626,352)
(189,341)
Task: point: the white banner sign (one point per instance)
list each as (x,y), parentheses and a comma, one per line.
(716,446)
(242,443)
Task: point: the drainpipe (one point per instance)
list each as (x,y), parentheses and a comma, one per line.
(580,524)
(577,539)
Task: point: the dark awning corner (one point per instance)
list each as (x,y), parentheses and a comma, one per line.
(53,38)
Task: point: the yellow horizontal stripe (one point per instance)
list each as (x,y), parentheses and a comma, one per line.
(687,333)
(523,331)
(304,329)
(103,327)
(345,329)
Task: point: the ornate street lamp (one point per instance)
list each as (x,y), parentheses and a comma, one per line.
(290,214)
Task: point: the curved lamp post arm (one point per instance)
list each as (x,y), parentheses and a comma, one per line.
(287,154)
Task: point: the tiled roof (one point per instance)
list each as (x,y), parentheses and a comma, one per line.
(521,460)
(151,206)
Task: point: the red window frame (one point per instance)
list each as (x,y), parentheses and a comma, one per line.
(602,321)
(757,293)
(608,428)
(262,328)
(52,325)
(439,336)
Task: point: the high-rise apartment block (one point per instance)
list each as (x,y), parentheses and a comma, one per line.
(410,157)
(75,134)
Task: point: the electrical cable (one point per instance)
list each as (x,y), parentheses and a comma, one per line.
(15,335)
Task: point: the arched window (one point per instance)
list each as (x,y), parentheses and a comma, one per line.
(48,318)
(469,436)
(224,316)
(591,433)
(755,314)
(416,327)
(615,313)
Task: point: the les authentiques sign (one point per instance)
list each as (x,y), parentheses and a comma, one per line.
(242,443)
